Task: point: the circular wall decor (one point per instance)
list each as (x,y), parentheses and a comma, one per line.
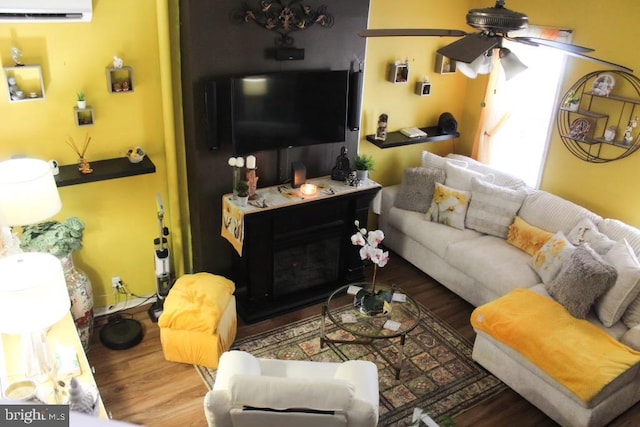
(602,129)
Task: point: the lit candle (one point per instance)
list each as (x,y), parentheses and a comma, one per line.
(232,161)
(308,189)
(251,162)
(239,162)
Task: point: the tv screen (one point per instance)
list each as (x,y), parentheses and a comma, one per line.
(288,109)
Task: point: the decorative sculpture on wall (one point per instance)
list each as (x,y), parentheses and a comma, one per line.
(284,17)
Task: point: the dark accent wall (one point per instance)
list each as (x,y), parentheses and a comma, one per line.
(212,45)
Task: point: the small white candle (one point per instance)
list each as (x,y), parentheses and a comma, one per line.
(251,162)
(239,162)
(308,189)
(232,161)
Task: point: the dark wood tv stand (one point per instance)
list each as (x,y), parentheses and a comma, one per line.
(296,255)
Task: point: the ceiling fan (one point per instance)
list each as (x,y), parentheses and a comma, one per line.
(474,50)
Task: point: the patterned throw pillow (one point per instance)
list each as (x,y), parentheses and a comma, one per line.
(548,261)
(416,190)
(627,287)
(526,237)
(493,208)
(581,281)
(449,206)
(586,231)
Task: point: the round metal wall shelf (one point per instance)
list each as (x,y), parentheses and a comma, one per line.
(604,126)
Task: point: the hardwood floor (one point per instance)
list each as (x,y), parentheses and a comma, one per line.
(139,386)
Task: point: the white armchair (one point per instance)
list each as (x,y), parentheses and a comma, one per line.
(249,391)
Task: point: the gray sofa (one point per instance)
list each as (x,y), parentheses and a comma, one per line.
(481,267)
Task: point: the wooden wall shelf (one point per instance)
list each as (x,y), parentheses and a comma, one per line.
(103,170)
(397,139)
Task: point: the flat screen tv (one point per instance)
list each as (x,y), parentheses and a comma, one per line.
(288,109)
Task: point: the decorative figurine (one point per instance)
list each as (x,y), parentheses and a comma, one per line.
(252,177)
(117,62)
(381,132)
(342,169)
(610,134)
(16,54)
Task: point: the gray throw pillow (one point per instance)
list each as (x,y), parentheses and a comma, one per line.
(493,208)
(583,278)
(416,190)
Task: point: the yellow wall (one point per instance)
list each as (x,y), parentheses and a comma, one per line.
(120,215)
(405,109)
(609,27)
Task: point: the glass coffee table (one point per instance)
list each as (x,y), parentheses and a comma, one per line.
(403,317)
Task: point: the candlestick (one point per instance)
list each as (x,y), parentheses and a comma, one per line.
(251,162)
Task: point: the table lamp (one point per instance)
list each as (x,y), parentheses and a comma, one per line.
(28,195)
(33,291)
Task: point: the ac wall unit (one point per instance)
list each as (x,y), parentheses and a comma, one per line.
(22,11)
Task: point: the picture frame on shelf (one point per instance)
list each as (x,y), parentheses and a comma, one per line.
(423,88)
(399,73)
(444,65)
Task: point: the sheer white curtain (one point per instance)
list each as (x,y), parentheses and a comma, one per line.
(519,113)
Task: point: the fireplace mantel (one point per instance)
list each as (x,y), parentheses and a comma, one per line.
(297,253)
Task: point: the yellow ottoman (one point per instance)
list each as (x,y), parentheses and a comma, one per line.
(198,322)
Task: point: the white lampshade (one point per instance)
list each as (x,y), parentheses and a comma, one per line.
(28,192)
(511,64)
(33,293)
(483,64)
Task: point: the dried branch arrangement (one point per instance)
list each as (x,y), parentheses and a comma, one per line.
(71,143)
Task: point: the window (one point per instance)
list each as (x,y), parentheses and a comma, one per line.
(525,104)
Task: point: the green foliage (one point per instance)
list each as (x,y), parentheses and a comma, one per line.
(59,239)
(80,96)
(242,188)
(364,163)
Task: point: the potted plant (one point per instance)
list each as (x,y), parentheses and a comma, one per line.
(81,100)
(242,190)
(572,101)
(363,164)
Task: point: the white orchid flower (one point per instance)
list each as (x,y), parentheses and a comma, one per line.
(358,239)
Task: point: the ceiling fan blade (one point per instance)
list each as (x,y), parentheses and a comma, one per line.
(469,48)
(551,43)
(601,61)
(402,32)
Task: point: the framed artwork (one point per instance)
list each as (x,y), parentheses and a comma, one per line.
(444,65)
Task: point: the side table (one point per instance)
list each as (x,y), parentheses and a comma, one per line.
(401,319)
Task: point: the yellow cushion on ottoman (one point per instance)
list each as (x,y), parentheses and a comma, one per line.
(198,321)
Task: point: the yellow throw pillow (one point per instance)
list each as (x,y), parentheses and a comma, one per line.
(527,237)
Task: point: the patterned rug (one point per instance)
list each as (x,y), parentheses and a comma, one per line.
(438,374)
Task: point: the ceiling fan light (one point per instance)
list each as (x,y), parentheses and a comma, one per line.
(481,65)
(511,65)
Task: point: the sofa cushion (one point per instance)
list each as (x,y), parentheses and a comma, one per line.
(492,262)
(459,177)
(615,301)
(618,230)
(449,206)
(581,280)
(435,237)
(431,160)
(527,237)
(416,190)
(586,231)
(503,179)
(551,256)
(492,208)
(553,213)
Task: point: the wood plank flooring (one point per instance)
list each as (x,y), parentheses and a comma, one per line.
(139,386)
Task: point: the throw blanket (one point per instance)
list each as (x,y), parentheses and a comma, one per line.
(576,353)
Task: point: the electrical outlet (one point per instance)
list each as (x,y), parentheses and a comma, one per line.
(116,282)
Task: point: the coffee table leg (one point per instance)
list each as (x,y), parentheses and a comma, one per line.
(400,355)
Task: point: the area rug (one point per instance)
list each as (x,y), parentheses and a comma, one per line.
(437,376)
